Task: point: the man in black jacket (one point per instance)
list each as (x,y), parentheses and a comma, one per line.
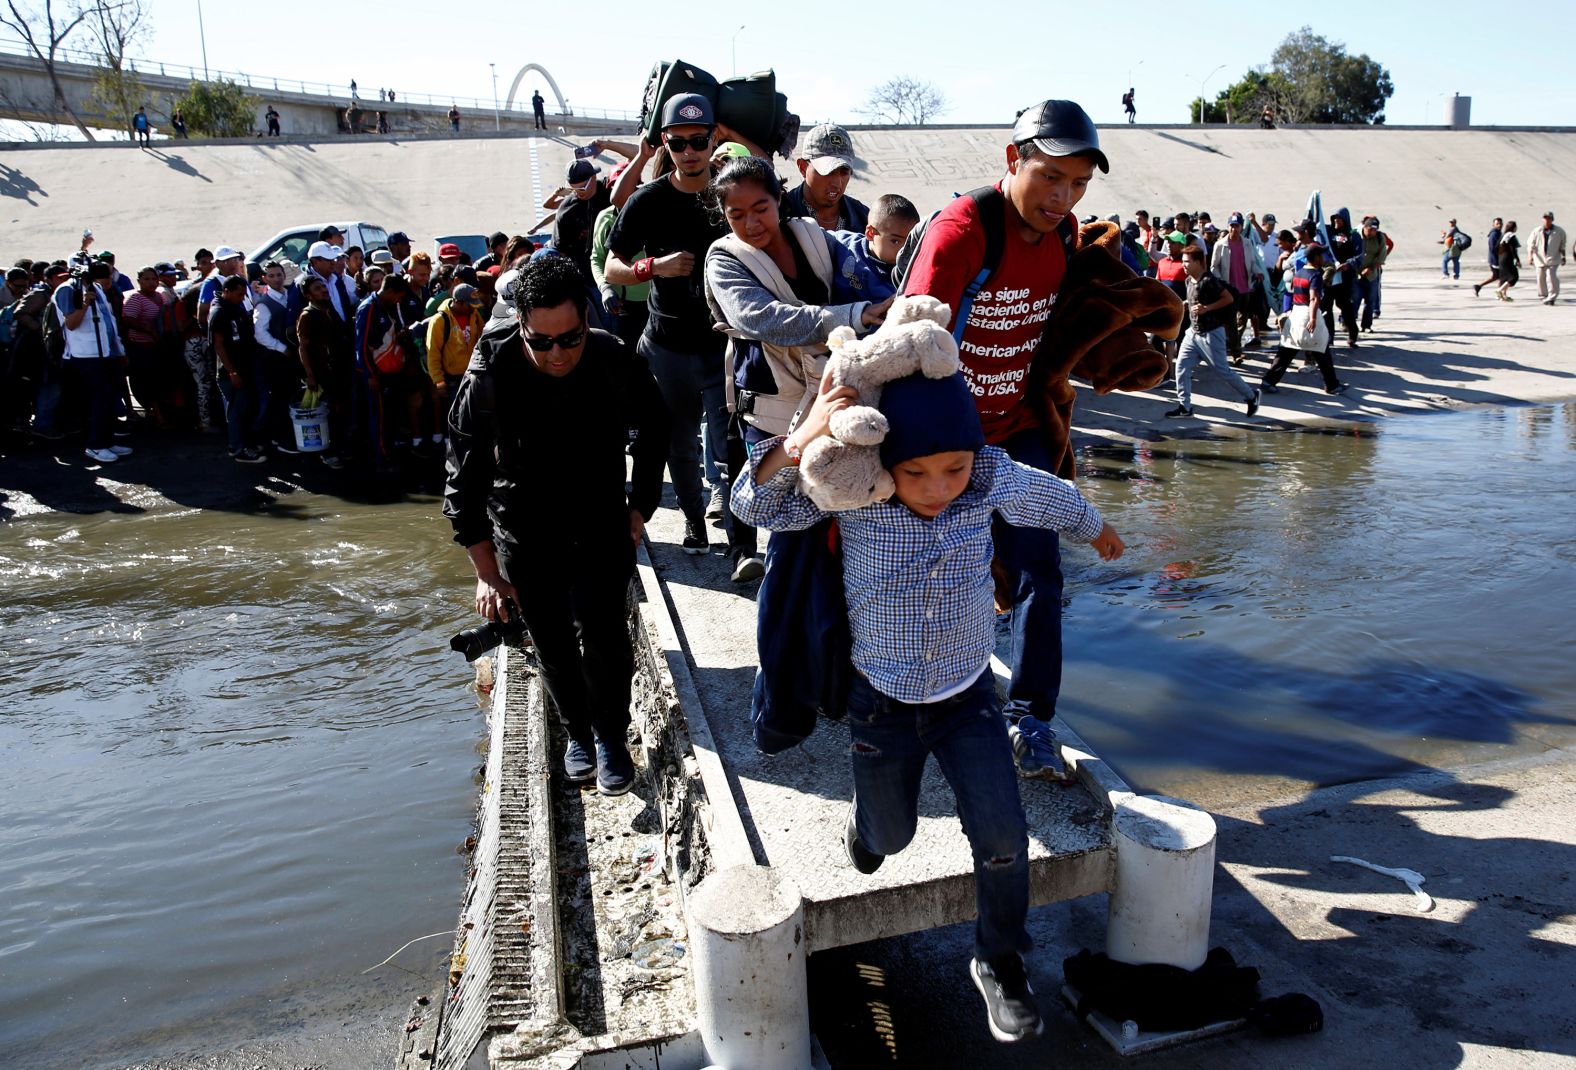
(537,497)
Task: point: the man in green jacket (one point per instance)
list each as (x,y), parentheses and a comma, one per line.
(1365,295)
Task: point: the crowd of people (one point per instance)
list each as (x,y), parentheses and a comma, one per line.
(377,339)
(1545,251)
(679,320)
(1255,278)
(718,288)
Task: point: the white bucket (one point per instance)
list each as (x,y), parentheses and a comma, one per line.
(311,428)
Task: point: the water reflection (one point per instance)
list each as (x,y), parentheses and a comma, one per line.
(1321,607)
(238,763)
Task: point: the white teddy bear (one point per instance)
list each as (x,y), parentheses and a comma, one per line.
(843,471)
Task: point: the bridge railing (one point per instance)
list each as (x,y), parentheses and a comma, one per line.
(338,93)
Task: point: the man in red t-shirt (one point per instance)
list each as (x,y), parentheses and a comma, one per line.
(1050,160)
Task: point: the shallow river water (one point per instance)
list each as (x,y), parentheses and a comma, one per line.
(239,757)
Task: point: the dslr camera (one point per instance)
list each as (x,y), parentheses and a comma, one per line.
(474,642)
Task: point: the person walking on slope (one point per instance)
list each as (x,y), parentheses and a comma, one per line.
(1509,262)
(1128,105)
(1493,257)
(1546,252)
(1455,240)
(1211,307)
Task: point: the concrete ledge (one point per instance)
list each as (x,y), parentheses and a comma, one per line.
(507,949)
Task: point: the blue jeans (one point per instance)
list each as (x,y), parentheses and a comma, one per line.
(1365,299)
(1206,348)
(1033,558)
(692,387)
(968,736)
(1451,255)
(245,406)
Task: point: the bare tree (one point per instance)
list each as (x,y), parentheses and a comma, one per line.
(905,101)
(43,32)
(115,25)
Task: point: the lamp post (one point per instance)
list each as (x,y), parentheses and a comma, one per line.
(202,35)
(497,122)
(1201,85)
(734,44)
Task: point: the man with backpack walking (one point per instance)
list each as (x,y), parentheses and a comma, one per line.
(1456,241)
(997,257)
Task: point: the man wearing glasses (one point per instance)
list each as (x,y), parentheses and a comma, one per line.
(535,490)
(661,237)
(578,205)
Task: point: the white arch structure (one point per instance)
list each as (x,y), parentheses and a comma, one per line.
(514,87)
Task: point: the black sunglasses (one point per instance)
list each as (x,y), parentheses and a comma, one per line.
(541,343)
(698,142)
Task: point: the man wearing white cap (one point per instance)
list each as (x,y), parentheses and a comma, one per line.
(226,262)
(827,165)
(323,260)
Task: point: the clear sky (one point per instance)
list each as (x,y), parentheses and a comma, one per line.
(989,57)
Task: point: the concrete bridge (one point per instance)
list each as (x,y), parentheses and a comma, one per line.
(312,109)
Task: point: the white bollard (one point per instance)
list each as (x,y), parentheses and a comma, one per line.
(1165,871)
(746,929)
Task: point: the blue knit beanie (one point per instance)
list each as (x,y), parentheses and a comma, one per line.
(928,416)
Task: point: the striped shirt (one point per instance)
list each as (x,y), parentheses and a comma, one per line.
(920,595)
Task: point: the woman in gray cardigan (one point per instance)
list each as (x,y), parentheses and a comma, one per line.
(771,283)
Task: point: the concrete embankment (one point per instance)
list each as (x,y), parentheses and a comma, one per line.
(151,205)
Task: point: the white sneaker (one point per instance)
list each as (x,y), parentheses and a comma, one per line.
(102,456)
(121,451)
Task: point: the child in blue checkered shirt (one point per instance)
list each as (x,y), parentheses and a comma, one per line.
(916,571)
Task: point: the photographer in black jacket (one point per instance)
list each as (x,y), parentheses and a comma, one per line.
(536,494)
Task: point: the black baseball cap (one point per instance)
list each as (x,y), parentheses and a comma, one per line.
(328,232)
(580,172)
(399,236)
(1060,128)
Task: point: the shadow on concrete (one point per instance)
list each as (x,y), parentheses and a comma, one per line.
(15,184)
(1192,144)
(1368,370)
(177,163)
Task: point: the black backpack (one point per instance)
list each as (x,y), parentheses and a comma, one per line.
(990,202)
(54,334)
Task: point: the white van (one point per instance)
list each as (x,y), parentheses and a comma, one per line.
(291,245)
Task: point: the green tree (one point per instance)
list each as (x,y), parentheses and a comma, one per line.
(220,108)
(1309,79)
